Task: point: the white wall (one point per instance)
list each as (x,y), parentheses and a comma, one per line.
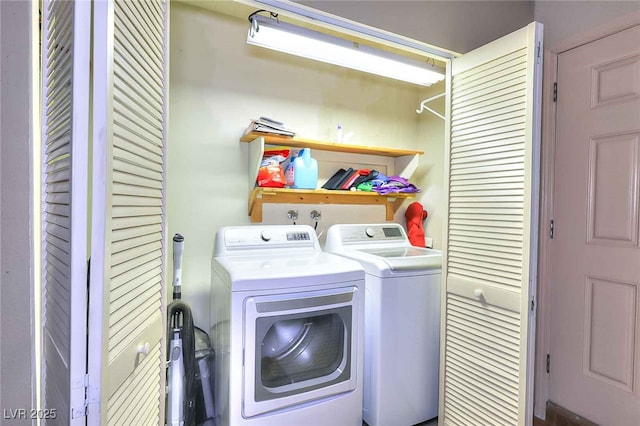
(16,385)
(565,21)
(431,173)
(217,84)
(460,26)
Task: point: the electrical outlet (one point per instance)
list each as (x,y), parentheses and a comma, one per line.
(429,242)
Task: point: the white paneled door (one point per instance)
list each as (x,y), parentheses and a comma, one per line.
(595,281)
(489,268)
(127,309)
(65,147)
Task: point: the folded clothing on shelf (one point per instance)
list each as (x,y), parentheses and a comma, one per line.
(396,184)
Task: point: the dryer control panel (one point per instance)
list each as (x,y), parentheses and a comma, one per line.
(362,233)
(264,237)
(243,239)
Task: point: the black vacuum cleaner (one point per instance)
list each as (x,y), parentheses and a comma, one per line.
(190,359)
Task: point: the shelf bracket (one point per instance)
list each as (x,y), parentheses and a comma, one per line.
(406,165)
(256,151)
(392,206)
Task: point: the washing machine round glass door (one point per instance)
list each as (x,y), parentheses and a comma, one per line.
(299,347)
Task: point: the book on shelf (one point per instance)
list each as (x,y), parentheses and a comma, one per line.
(334,181)
(266,125)
(342,179)
(350,178)
(348,182)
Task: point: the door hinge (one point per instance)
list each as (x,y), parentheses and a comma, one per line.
(552,228)
(548,363)
(77,412)
(555,92)
(539,53)
(533,304)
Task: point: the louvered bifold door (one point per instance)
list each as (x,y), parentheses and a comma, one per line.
(127,309)
(490,258)
(65,141)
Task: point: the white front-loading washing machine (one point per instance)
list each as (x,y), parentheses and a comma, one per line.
(402,321)
(287,329)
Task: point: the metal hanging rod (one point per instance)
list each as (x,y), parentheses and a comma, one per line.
(423,105)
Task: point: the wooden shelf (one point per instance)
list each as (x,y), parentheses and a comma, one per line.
(403,162)
(327,146)
(259,196)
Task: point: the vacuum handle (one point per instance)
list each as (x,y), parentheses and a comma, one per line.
(178,246)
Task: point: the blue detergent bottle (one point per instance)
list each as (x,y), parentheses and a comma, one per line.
(304,170)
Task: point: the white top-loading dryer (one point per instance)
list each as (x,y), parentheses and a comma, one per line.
(287,329)
(402,321)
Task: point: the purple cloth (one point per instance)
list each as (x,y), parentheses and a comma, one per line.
(396,184)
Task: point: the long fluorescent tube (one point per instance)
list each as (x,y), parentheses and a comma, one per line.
(287,38)
(335,21)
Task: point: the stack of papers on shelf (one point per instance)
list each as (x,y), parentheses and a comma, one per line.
(267,125)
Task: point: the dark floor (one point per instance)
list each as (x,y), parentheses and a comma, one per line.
(433,422)
(559,416)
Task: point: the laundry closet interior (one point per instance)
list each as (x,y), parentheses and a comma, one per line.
(218,83)
(478,190)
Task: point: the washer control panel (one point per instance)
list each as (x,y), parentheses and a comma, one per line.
(361,233)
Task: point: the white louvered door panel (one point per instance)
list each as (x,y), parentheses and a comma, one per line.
(65,141)
(489,267)
(129,231)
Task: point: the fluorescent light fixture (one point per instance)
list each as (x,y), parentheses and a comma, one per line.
(287,38)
